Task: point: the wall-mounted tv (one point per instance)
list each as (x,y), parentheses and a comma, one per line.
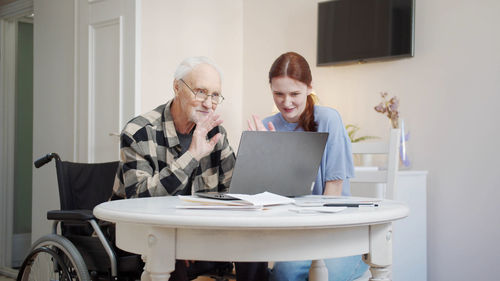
(363,30)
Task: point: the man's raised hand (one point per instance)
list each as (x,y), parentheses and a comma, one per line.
(200,145)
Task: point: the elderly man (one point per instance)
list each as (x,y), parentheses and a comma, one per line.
(181,148)
(166,152)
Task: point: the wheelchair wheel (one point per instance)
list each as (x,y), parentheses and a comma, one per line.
(53,258)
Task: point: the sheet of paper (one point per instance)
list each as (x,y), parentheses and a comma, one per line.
(211,202)
(264,199)
(256,201)
(315,200)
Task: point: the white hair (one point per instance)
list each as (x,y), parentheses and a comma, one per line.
(187,65)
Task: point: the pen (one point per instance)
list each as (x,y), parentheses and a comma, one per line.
(350,204)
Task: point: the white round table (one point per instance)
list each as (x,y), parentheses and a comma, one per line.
(161,233)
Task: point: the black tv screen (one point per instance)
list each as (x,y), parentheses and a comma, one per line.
(362,30)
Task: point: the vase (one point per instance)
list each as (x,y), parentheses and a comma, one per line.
(403,148)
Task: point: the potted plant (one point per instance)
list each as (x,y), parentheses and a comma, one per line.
(351,132)
(359,159)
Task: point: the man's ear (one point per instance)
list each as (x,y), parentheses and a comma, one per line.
(176,86)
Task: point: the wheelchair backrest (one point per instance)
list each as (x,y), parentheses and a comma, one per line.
(82,186)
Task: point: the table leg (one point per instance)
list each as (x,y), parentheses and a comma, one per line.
(380,273)
(318,271)
(160,255)
(145,274)
(380,256)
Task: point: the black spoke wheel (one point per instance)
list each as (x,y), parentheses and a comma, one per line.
(53,258)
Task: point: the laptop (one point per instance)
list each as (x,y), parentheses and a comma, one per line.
(284,163)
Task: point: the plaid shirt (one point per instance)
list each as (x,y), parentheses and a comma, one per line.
(151,163)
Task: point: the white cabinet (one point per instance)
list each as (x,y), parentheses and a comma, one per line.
(410,234)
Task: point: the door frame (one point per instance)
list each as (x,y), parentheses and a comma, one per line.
(8,70)
(9,15)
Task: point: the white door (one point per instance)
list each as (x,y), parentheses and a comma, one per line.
(85,81)
(107,71)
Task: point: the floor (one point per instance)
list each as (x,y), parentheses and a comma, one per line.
(3,278)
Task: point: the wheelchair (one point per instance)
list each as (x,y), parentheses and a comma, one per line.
(85,248)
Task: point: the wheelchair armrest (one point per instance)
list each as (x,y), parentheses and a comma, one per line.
(70,215)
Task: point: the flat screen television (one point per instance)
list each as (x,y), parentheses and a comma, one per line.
(363,30)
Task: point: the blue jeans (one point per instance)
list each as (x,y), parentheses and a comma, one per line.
(339,269)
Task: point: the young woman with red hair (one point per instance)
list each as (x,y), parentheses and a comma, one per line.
(290,80)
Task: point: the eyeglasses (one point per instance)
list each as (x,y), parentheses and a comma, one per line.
(202,94)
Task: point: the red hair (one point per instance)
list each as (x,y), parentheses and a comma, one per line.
(296,67)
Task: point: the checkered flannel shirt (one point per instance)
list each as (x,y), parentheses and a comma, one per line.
(151,163)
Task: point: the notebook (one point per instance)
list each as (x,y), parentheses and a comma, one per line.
(284,163)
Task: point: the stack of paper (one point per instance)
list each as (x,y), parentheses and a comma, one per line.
(252,202)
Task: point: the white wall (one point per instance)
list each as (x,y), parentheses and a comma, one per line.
(52,92)
(164,26)
(175,30)
(449,94)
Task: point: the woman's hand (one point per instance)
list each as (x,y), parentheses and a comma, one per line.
(255,124)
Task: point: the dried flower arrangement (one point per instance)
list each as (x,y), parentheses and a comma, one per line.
(390,108)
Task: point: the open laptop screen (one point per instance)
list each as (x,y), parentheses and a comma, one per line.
(284,163)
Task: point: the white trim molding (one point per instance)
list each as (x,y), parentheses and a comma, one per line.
(138,62)
(16,9)
(7,76)
(9,15)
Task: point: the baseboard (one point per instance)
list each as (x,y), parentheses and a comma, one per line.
(9,272)
(21,244)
